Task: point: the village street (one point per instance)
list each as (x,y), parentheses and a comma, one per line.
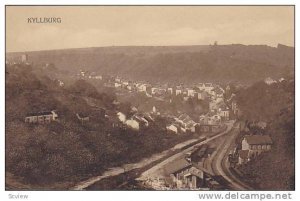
(128,167)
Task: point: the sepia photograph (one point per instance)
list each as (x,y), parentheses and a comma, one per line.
(149,98)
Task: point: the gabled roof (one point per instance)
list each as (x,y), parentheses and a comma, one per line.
(39,113)
(194,171)
(190,124)
(183,117)
(258,139)
(140,118)
(208,85)
(186,119)
(177,166)
(218,90)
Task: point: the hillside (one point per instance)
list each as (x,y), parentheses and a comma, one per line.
(275,105)
(56,155)
(215,63)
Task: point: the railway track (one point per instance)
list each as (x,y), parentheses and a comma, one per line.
(220,165)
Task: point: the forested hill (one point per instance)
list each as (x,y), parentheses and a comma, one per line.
(215,63)
(59,154)
(275,105)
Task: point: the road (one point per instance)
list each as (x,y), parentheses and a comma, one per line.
(147,161)
(220,164)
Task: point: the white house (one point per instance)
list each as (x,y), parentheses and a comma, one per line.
(98,77)
(117,85)
(170,90)
(270,81)
(133,124)
(142,87)
(206,86)
(178,92)
(121,116)
(172,128)
(256,144)
(41,117)
(191,92)
(224,113)
(187,122)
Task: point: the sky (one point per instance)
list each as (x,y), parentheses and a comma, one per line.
(96,26)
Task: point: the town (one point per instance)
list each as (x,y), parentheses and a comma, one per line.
(150,98)
(195,167)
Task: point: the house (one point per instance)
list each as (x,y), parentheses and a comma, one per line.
(24,58)
(187,122)
(209,123)
(186,98)
(270,81)
(98,77)
(170,90)
(202,95)
(154,90)
(203,120)
(142,87)
(148,117)
(244,156)
(205,86)
(41,117)
(256,144)
(190,92)
(121,117)
(261,124)
(281,79)
(178,90)
(117,85)
(172,128)
(154,109)
(213,105)
(141,120)
(159,91)
(215,119)
(184,175)
(125,83)
(234,107)
(224,112)
(201,86)
(134,124)
(61,84)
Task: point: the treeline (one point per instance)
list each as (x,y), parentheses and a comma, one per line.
(69,150)
(189,64)
(275,105)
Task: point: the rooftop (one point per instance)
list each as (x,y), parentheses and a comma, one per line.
(39,113)
(258,139)
(176,166)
